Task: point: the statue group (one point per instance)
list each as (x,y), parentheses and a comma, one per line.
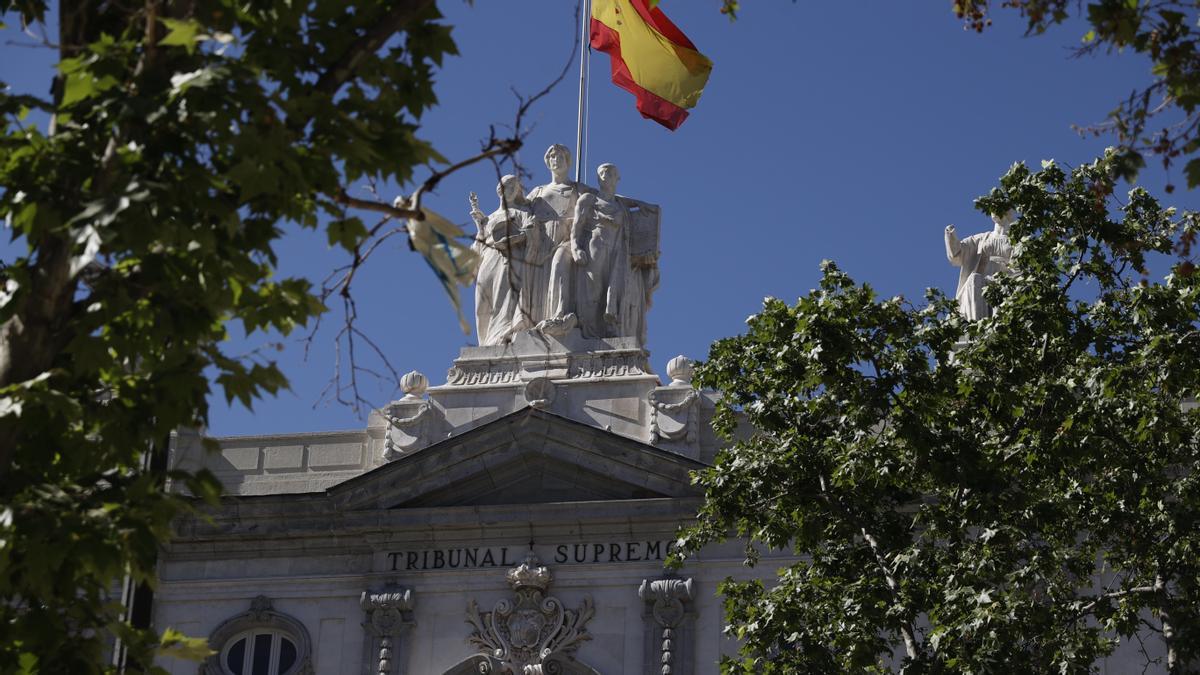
(565,256)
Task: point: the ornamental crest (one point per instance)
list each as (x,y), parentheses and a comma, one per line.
(532,629)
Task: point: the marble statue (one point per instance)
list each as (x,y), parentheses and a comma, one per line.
(614,290)
(600,247)
(979,257)
(510,243)
(568,257)
(553,205)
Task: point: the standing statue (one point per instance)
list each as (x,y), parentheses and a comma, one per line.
(979,257)
(643,276)
(600,245)
(609,244)
(553,205)
(509,242)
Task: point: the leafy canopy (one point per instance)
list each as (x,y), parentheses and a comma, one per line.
(182,136)
(1021,503)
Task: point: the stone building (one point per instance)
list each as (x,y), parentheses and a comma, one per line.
(514,519)
(517,515)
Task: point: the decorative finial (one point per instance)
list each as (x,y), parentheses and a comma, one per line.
(680,370)
(413,384)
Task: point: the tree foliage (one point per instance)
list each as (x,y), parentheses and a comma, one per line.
(1023,502)
(182,136)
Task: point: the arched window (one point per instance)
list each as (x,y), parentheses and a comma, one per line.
(260,652)
(260,642)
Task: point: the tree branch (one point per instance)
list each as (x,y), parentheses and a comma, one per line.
(337,74)
(906,629)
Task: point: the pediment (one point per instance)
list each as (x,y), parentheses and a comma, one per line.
(527,457)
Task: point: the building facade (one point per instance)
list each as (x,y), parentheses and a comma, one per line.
(514,519)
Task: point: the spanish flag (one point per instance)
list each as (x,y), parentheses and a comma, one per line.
(651,58)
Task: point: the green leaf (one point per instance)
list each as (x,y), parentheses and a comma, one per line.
(1192,171)
(82,85)
(175,644)
(346,232)
(182,33)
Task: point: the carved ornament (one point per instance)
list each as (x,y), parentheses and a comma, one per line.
(532,632)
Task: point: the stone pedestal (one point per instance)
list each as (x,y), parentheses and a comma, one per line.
(605,383)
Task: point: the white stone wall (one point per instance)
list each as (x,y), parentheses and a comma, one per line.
(328,606)
(281,464)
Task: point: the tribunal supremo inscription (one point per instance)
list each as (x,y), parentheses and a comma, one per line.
(508,556)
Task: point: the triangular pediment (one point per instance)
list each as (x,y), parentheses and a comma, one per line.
(527,457)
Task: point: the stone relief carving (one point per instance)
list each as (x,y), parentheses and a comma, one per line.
(668,604)
(569,255)
(261,608)
(979,257)
(482,374)
(406,418)
(673,413)
(389,617)
(608,365)
(539,392)
(532,633)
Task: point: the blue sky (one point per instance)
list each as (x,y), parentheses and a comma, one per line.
(848,131)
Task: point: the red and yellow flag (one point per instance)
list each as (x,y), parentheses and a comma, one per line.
(651,58)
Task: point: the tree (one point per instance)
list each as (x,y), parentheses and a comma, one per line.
(182,134)
(1020,502)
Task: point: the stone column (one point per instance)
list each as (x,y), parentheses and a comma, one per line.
(388,619)
(669,621)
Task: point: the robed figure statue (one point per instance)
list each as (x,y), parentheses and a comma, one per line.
(979,257)
(617,280)
(510,245)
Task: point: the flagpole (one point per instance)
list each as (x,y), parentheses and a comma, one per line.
(585,21)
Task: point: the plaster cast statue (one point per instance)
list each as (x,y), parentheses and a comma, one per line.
(553,205)
(979,257)
(507,287)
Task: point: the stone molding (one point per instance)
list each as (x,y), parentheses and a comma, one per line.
(466,375)
(618,363)
(669,619)
(261,615)
(389,618)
